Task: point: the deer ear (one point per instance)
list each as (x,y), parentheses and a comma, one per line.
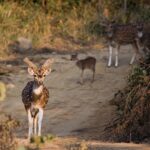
(30,71)
(47,71)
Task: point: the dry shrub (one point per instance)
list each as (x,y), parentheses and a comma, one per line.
(133,104)
(7,141)
(77,146)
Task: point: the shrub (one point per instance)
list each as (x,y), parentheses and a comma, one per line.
(7,141)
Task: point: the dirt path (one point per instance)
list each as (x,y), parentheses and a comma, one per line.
(76,144)
(73,109)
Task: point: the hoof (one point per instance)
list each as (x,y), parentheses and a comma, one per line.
(79,82)
(92,81)
(108,66)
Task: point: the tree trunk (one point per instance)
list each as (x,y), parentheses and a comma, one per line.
(45,6)
(125,7)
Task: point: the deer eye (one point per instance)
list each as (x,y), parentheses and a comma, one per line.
(44,75)
(35,75)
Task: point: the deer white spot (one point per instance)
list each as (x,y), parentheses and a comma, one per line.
(110,35)
(38,90)
(110,56)
(140,34)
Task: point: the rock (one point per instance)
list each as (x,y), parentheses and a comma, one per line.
(74,56)
(54,53)
(22,71)
(10,86)
(21,45)
(9,65)
(21,148)
(2,91)
(24,43)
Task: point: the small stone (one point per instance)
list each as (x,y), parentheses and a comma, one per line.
(2,91)
(21,45)
(9,65)
(22,71)
(10,86)
(21,148)
(54,53)
(24,43)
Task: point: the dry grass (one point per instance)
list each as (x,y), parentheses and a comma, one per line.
(58,29)
(7,141)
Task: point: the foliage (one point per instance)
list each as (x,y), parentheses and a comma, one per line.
(136,10)
(144,15)
(134,106)
(41,139)
(63,20)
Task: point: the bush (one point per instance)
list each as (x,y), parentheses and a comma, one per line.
(134,104)
(7,141)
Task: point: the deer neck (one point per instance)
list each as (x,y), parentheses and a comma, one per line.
(110,34)
(140,34)
(37,89)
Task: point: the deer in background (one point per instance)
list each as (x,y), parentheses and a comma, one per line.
(121,35)
(87,63)
(143,38)
(35,95)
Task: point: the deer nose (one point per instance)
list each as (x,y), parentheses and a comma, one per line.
(40,76)
(40,81)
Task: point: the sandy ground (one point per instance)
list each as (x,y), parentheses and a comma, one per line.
(73,110)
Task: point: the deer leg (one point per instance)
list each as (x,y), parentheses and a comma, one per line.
(136,51)
(35,124)
(81,80)
(142,48)
(30,119)
(40,118)
(35,118)
(93,74)
(146,50)
(116,55)
(133,58)
(110,56)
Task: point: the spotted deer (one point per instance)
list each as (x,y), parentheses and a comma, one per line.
(143,38)
(87,63)
(35,95)
(121,35)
